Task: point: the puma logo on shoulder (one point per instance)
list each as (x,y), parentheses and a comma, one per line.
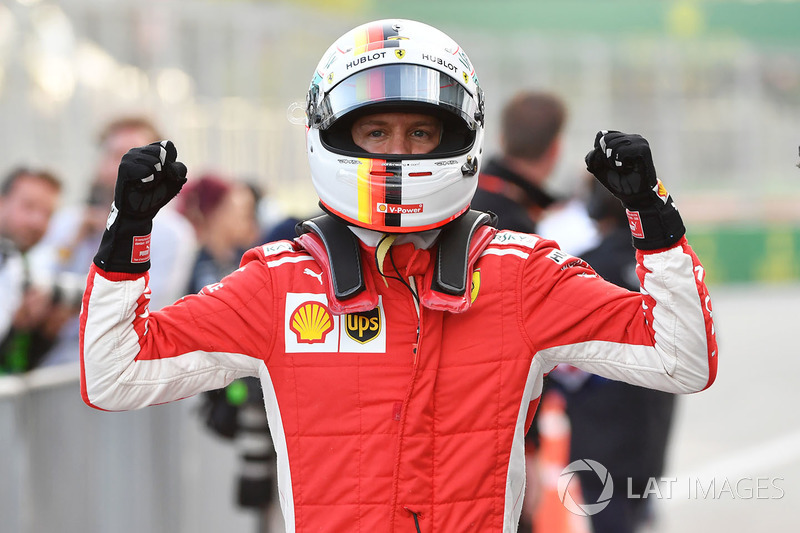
(313,274)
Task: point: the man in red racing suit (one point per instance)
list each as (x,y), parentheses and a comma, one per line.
(402,408)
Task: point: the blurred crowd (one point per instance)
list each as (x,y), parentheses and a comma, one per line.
(46,247)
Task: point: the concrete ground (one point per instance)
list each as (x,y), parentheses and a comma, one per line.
(734,459)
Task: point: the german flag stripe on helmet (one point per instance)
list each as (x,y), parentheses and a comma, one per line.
(375,37)
(393,185)
(366,202)
(379,185)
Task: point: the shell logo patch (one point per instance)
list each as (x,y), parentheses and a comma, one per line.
(311,328)
(476,286)
(311,322)
(363,327)
(661,191)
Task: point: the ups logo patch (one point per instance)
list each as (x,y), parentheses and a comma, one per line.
(363,327)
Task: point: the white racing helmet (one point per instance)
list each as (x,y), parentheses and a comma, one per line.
(386,66)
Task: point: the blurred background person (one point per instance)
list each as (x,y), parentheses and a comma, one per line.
(76,230)
(224,216)
(34,308)
(513,185)
(624,427)
(278,225)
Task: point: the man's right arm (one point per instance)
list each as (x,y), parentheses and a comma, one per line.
(131,358)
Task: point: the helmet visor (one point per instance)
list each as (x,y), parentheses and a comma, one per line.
(395,84)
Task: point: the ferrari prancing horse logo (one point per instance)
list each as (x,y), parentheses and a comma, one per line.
(476,286)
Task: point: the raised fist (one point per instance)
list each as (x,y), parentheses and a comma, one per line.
(148,178)
(622,162)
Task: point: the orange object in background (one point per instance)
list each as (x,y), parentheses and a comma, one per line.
(550,515)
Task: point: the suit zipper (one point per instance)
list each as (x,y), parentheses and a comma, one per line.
(414,297)
(412,285)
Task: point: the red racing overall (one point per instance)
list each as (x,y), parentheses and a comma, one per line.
(402,413)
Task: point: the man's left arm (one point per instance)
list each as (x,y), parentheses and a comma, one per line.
(662,337)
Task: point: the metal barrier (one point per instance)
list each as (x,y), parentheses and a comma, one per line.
(65,467)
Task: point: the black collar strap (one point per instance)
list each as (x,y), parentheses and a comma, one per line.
(347,275)
(450,274)
(343,252)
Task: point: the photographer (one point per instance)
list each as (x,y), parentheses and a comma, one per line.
(27,200)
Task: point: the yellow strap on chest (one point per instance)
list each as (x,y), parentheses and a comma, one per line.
(381,251)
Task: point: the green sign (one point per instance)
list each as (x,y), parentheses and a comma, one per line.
(748,254)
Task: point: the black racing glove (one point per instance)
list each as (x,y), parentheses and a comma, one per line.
(148,178)
(622,162)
